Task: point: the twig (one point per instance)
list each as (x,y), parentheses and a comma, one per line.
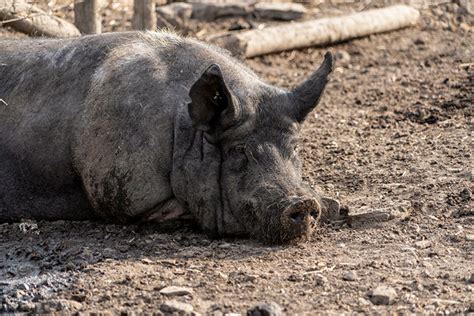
(4,103)
(20,18)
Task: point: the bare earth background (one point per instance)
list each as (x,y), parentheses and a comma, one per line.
(393,132)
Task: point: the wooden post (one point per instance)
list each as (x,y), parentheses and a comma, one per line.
(87,16)
(144,16)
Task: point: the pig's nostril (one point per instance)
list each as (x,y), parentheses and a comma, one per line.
(297,217)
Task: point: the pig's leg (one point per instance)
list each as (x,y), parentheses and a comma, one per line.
(168,210)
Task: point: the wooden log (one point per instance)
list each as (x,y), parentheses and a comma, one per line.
(209,11)
(27,18)
(317,32)
(174,15)
(285,11)
(87,16)
(144,16)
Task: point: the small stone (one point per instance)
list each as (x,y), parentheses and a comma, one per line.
(350,276)
(147,261)
(176,307)
(423,244)
(225,245)
(470,237)
(24,287)
(176,291)
(109,252)
(342,57)
(27,306)
(465,27)
(471,307)
(383,295)
(363,301)
(266,309)
(223,276)
(250,278)
(321,280)
(295,278)
(471,278)
(61,305)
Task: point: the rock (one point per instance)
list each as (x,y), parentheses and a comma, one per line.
(342,57)
(176,307)
(350,276)
(467,5)
(471,307)
(320,280)
(383,295)
(295,278)
(471,278)
(109,253)
(176,291)
(61,305)
(147,261)
(225,245)
(27,306)
(24,287)
(266,309)
(470,237)
(423,244)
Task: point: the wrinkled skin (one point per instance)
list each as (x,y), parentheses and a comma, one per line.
(152,127)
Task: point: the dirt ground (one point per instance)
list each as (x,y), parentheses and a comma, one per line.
(393,133)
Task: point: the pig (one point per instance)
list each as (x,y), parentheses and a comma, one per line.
(151,126)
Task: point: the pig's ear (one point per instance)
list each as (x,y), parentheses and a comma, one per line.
(306,96)
(211,101)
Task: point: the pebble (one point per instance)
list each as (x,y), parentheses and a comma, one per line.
(471,278)
(27,306)
(24,287)
(295,278)
(383,295)
(423,244)
(321,280)
(342,57)
(147,261)
(350,276)
(470,237)
(176,291)
(61,305)
(176,307)
(266,309)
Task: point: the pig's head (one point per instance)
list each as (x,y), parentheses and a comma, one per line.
(252,139)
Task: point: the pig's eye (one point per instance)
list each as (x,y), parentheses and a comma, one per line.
(238,150)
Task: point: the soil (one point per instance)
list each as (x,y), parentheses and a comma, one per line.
(392,133)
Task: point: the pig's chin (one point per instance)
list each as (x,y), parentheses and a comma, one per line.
(228,225)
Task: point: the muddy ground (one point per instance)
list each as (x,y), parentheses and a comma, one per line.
(393,133)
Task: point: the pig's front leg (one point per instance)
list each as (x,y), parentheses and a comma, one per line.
(168,210)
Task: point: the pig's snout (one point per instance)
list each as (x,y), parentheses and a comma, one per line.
(303,212)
